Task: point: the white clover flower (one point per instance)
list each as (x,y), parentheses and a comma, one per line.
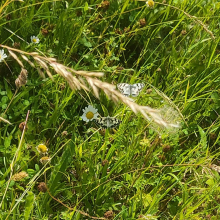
(35,40)
(2,55)
(89,113)
(150,3)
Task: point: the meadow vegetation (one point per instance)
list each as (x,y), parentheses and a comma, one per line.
(59,57)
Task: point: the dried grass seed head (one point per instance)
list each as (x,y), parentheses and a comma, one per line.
(170,118)
(22,78)
(16,58)
(109,89)
(26,59)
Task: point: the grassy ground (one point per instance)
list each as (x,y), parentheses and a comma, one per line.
(139,170)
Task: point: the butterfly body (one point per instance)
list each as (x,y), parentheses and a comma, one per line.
(108,122)
(130,89)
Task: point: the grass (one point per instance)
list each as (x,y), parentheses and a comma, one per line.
(140,170)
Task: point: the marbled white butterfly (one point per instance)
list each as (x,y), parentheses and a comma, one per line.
(130,89)
(108,122)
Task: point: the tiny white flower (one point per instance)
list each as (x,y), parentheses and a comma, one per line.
(2,55)
(35,40)
(150,3)
(89,113)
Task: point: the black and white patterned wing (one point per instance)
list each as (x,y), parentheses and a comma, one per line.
(136,89)
(108,122)
(101,122)
(112,122)
(124,88)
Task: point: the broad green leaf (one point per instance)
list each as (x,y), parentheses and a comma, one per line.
(203,140)
(147,199)
(29,202)
(210,182)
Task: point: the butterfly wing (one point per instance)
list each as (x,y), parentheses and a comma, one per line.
(136,89)
(124,88)
(112,122)
(102,122)
(108,122)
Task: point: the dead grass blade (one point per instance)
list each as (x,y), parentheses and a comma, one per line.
(6,121)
